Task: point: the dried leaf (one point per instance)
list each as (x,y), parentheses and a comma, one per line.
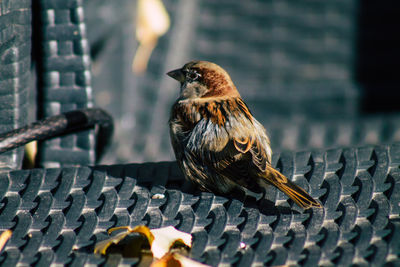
(152,18)
(161,240)
(166,237)
(176,260)
(101,247)
(152,22)
(4,237)
(30,155)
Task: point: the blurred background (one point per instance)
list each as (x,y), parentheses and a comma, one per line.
(316,74)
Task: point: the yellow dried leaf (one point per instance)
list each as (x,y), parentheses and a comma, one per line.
(102,246)
(160,240)
(176,260)
(4,237)
(167,261)
(152,22)
(144,230)
(164,239)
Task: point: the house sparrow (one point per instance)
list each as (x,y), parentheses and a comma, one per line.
(218,143)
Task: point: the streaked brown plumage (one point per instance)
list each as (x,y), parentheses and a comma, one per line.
(217,142)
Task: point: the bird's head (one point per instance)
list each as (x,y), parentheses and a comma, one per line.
(202,79)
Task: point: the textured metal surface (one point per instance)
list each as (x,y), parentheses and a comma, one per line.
(64,78)
(57,215)
(15,49)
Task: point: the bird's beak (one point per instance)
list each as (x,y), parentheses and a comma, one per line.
(177,75)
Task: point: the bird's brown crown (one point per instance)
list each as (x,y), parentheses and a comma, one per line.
(213,80)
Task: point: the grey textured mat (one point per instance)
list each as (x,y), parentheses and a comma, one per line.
(57,215)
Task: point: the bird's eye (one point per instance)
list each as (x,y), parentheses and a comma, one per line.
(193,75)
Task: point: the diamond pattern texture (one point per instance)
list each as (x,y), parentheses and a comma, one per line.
(64,78)
(57,215)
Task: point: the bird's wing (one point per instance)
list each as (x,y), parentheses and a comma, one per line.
(249,136)
(237,151)
(220,161)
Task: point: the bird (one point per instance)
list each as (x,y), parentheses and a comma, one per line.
(217,142)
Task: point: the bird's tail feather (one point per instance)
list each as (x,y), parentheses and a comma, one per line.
(296,193)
